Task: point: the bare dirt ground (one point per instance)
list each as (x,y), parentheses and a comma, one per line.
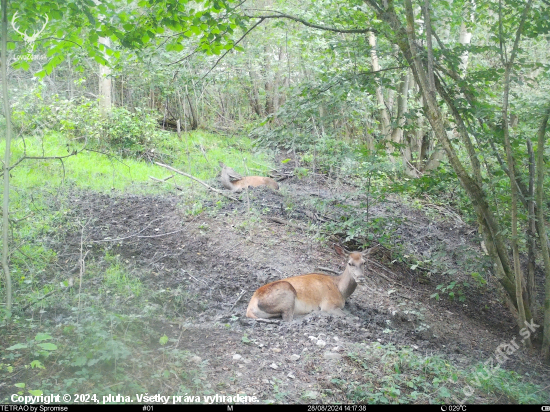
(224,254)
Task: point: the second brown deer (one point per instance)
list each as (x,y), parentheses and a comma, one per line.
(299,295)
(233,181)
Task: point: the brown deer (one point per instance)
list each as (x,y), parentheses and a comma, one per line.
(302,294)
(233,181)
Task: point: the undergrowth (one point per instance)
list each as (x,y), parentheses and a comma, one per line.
(393,375)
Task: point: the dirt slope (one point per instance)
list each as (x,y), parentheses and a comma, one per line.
(225,253)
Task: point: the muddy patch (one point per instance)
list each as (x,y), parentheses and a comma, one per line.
(217,259)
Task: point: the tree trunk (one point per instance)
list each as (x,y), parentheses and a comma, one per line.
(384,116)
(7,157)
(255,95)
(194,124)
(531,232)
(105,82)
(543,238)
(406,39)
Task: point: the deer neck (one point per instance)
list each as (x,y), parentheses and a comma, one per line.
(346,283)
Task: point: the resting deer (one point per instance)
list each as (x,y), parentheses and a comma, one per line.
(233,181)
(302,294)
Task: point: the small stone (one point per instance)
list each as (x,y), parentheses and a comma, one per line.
(196,359)
(239,374)
(237,356)
(247,361)
(321,343)
(311,394)
(336,349)
(294,357)
(313,338)
(291,376)
(265,381)
(335,338)
(273,366)
(332,356)
(276,350)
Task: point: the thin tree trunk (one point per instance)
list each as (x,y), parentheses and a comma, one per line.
(428,24)
(406,39)
(511,161)
(194,120)
(531,232)
(465,36)
(7,156)
(543,238)
(255,95)
(105,81)
(384,116)
(268,82)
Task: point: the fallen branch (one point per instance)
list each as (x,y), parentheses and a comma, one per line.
(38,300)
(164,181)
(197,180)
(327,270)
(387,278)
(237,301)
(161,180)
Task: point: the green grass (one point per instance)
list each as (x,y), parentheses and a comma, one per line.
(102,172)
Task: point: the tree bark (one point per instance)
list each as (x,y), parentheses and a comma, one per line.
(542,232)
(105,82)
(7,157)
(514,191)
(384,116)
(531,231)
(194,120)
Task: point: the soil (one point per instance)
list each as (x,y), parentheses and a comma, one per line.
(225,253)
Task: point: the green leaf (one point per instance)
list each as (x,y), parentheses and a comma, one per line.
(21,64)
(47,346)
(444,392)
(36,392)
(18,346)
(19,385)
(163,340)
(37,364)
(42,336)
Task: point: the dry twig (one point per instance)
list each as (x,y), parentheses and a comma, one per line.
(197,180)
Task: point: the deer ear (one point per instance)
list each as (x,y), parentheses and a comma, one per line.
(221,164)
(339,250)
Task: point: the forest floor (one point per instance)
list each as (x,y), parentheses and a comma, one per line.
(201,270)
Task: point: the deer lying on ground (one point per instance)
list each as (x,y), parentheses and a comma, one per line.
(233,181)
(302,294)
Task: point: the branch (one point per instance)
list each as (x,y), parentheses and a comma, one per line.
(197,180)
(25,157)
(280,15)
(234,44)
